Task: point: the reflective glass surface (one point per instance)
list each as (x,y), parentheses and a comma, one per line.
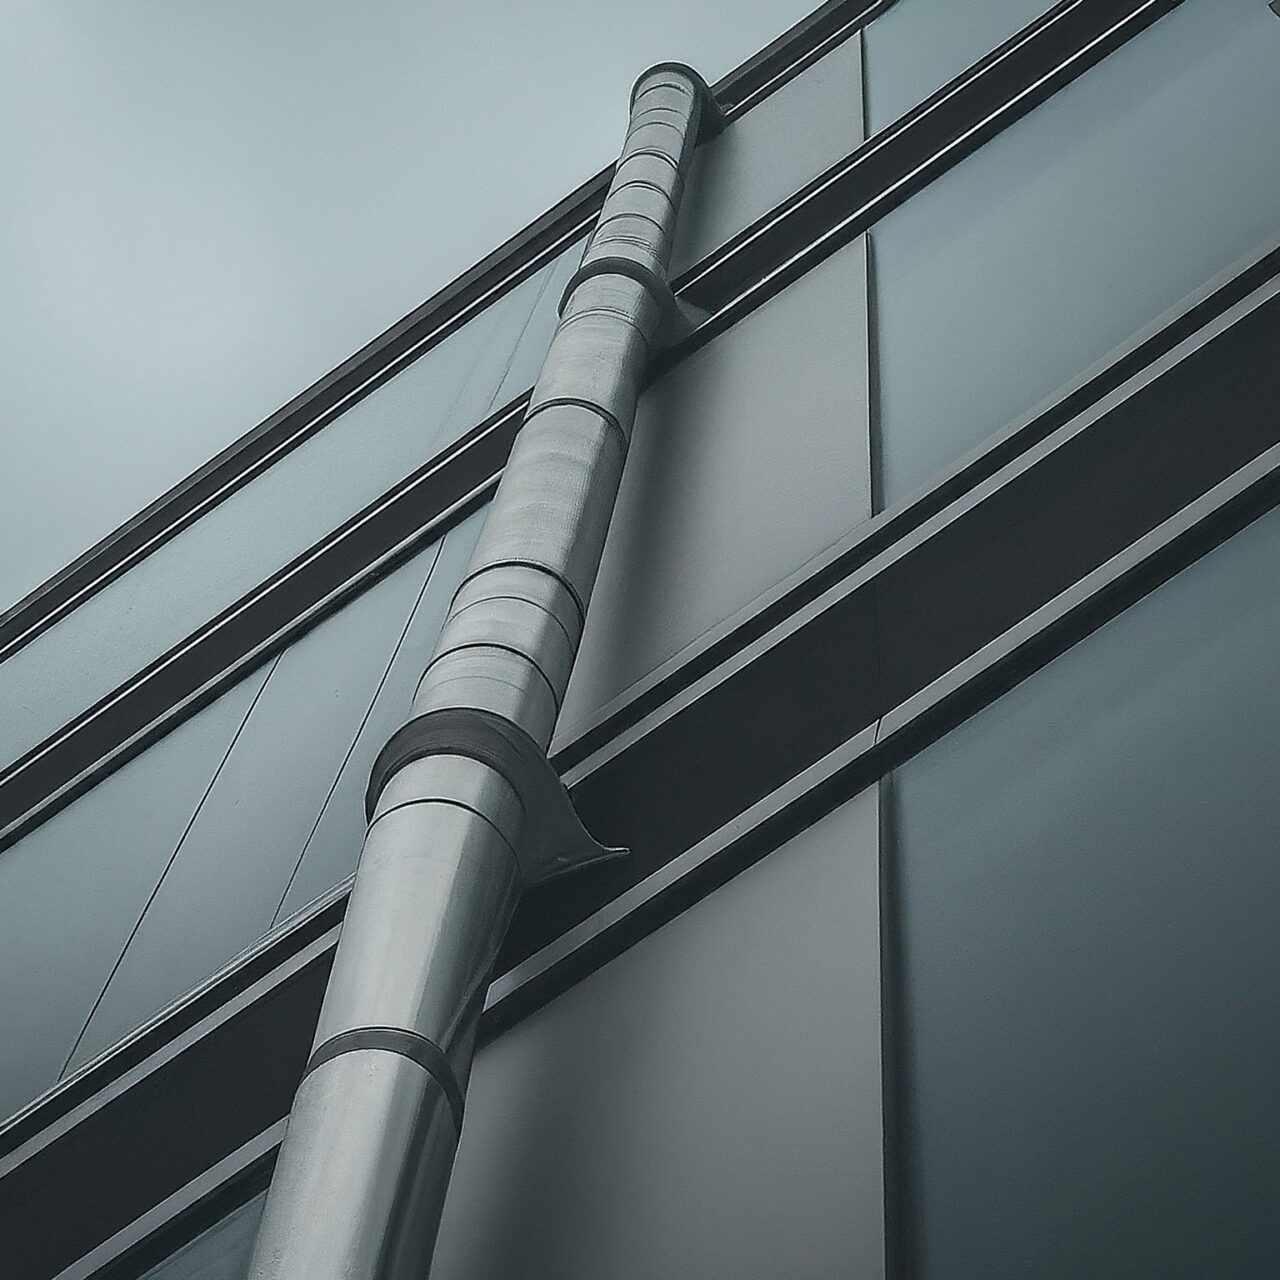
(284,815)
(278,515)
(1075,228)
(73,891)
(168,868)
(330,851)
(220,1253)
(1087,965)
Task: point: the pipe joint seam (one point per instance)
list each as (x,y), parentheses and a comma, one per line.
(509,601)
(513,624)
(387,807)
(641,193)
(577,402)
(630,152)
(408,1044)
(461,784)
(538,567)
(531,584)
(476,650)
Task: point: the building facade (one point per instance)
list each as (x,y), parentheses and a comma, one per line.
(929,679)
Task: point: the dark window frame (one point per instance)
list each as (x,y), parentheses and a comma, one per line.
(82,1125)
(799,234)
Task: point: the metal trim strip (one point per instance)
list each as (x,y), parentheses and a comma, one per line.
(144,708)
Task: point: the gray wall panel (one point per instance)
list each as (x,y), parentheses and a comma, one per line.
(771,152)
(918,45)
(747,460)
(707,1104)
(1088,874)
(72,891)
(1072,230)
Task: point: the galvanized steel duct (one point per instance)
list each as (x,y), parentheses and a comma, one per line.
(466,812)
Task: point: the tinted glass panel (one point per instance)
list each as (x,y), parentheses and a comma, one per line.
(230,870)
(221,1253)
(73,890)
(285,815)
(1072,230)
(279,515)
(918,45)
(329,853)
(1089,966)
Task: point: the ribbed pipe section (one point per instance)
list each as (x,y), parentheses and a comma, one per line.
(454,836)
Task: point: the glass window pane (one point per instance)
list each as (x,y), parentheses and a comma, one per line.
(230,870)
(1087,879)
(917,46)
(330,852)
(220,1253)
(278,515)
(170,867)
(1071,231)
(73,890)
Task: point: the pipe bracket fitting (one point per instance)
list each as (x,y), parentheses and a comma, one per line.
(554,842)
(673,323)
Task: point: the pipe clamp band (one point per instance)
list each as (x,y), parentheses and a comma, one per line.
(673,323)
(408,1044)
(657,286)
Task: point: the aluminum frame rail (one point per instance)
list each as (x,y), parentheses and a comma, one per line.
(465,809)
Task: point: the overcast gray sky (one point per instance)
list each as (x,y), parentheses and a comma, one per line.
(208,205)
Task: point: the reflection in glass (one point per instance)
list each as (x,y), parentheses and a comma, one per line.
(332,847)
(222,886)
(220,1253)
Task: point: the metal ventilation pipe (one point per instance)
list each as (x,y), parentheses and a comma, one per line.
(465,809)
